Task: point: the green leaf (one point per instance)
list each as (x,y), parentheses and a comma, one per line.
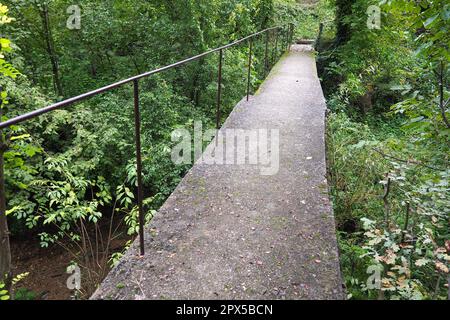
(21,137)
(8,212)
(422,262)
(430,20)
(5,43)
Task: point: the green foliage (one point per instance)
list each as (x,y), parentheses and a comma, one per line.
(388,148)
(409,241)
(4,295)
(432,19)
(19,294)
(116,256)
(306,16)
(6,69)
(355,169)
(25,294)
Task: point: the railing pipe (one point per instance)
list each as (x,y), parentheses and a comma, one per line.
(219,89)
(288,32)
(291,35)
(275,49)
(266,54)
(87,95)
(249,68)
(137,127)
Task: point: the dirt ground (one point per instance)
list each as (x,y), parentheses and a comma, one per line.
(46,266)
(47,279)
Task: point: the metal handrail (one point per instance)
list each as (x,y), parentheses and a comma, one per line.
(135,81)
(84,96)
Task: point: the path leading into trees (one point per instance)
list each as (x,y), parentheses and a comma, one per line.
(229,232)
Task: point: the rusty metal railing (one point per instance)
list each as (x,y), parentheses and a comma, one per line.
(285,31)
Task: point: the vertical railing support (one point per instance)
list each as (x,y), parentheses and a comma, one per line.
(272,54)
(137,126)
(249,68)
(288,32)
(291,35)
(266,54)
(275,51)
(319,36)
(219,89)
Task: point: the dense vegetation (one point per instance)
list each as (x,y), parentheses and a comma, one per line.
(388,139)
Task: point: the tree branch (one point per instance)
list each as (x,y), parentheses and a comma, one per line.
(407,161)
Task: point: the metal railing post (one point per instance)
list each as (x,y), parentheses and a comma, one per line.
(272,55)
(219,89)
(266,54)
(249,67)
(287,37)
(319,36)
(275,51)
(291,35)
(137,126)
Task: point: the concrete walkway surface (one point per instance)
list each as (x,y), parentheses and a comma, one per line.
(230,232)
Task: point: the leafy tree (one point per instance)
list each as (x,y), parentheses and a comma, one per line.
(6,70)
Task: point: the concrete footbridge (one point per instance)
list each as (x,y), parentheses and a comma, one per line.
(251,223)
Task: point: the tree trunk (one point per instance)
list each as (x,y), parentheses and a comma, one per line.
(49,47)
(5,250)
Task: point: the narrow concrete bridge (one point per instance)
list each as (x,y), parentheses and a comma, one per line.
(229,232)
